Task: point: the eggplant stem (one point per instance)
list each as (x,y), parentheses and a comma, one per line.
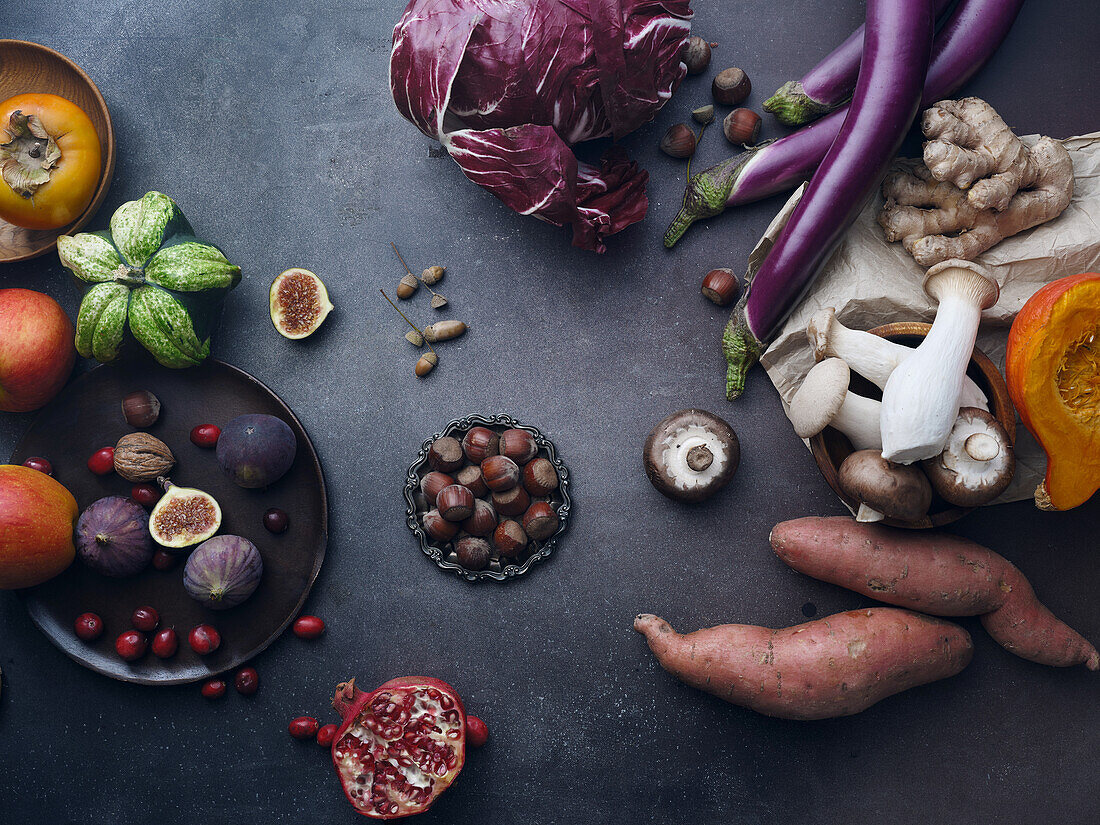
(793,107)
(741,349)
(706,195)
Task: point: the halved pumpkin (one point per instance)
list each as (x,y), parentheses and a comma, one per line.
(1052,367)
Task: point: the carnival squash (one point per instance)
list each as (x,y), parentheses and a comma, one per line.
(149,274)
(1053,369)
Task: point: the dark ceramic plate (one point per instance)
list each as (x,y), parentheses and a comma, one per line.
(441,553)
(87,415)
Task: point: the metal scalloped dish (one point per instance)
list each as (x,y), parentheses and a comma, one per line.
(442,553)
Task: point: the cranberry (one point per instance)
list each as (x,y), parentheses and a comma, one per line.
(214,689)
(131,645)
(205,435)
(276,521)
(247,681)
(204,639)
(308,627)
(145,494)
(145,618)
(163,560)
(43,465)
(165,643)
(304,727)
(325,735)
(477,732)
(88,626)
(102,461)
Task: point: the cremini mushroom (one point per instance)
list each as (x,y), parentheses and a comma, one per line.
(921,399)
(884,488)
(823,401)
(977,462)
(691,455)
(870,355)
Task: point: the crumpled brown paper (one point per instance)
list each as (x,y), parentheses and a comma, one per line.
(871,282)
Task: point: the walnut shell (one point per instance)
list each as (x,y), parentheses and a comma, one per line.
(141,457)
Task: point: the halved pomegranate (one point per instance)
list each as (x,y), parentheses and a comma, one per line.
(400,746)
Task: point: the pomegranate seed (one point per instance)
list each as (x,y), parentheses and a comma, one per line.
(214,689)
(43,465)
(165,643)
(247,681)
(145,618)
(163,560)
(304,727)
(88,627)
(131,645)
(204,639)
(477,732)
(308,627)
(325,735)
(145,494)
(276,521)
(102,461)
(205,435)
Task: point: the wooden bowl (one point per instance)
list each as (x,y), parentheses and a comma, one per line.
(830,447)
(28,67)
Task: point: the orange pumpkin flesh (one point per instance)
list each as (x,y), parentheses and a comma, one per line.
(1052,367)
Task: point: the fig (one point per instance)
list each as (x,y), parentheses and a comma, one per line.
(183,516)
(299,303)
(223,572)
(112,537)
(256,450)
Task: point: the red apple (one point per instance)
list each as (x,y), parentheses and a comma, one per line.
(36,349)
(36,527)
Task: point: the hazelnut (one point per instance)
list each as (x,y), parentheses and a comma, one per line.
(500,473)
(470,476)
(509,538)
(473,552)
(742,126)
(511,502)
(407,286)
(455,502)
(679,141)
(730,87)
(540,521)
(482,521)
(438,527)
(540,478)
(445,454)
(518,445)
(480,443)
(721,286)
(433,275)
(141,409)
(432,483)
(696,54)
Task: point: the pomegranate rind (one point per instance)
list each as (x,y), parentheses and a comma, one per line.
(416,695)
(299,303)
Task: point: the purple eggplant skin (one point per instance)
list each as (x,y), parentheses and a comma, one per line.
(965,43)
(223,571)
(897,47)
(828,85)
(112,537)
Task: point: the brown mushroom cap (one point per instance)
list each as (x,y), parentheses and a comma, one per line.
(820,397)
(691,455)
(977,462)
(895,490)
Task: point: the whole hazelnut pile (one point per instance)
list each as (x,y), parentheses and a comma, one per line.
(489,496)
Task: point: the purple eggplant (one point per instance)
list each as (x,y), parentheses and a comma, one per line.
(897,47)
(974,31)
(828,85)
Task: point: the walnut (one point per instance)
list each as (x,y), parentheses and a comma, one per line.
(141,457)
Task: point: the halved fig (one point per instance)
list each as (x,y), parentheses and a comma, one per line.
(299,303)
(183,516)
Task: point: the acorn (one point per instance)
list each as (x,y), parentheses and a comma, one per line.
(407,286)
(742,126)
(679,141)
(426,363)
(433,275)
(730,86)
(443,331)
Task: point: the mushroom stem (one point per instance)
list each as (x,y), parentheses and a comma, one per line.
(858,418)
(699,457)
(867,515)
(982,447)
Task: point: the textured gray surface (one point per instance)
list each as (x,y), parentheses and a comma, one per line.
(272,125)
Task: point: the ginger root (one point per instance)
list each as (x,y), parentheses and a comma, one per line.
(978,185)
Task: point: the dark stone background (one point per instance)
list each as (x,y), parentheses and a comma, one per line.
(273,126)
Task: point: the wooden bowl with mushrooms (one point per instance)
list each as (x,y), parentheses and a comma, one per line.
(830,447)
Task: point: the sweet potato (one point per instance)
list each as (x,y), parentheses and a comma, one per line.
(937,573)
(834,666)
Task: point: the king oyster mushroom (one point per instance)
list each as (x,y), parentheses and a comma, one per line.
(977,462)
(691,455)
(884,488)
(823,401)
